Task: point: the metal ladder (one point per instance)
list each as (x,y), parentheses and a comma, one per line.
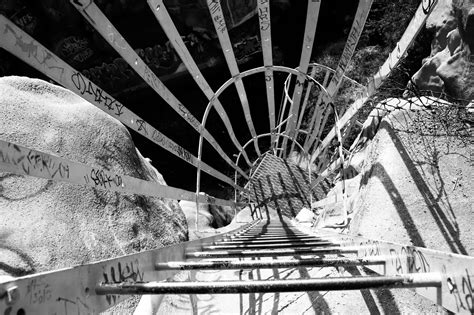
(261,244)
(288,247)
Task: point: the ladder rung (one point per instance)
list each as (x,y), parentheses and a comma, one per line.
(273,234)
(280,263)
(273,252)
(267,241)
(265,237)
(274,245)
(300,285)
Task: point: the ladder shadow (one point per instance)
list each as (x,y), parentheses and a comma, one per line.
(387,301)
(448,230)
(256,303)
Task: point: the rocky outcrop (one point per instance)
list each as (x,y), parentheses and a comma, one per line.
(415,181)
(450,67)
(48,225)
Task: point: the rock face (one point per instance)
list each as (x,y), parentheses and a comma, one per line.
(48,225)
(416,181)
(450,67)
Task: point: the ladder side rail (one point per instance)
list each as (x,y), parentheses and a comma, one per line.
(46,62)
(317,115)
(411,32)
(104,27)
(314,129)
(309,87)
(51,292)
(218,20)
(408,37)
(457,271)
(263,7)
(312,16)
(358,24)
(24,161)
(161,13)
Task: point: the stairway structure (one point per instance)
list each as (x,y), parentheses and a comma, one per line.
(271,180)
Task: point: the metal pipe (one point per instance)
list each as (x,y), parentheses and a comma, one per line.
(267,241)
(299,285)
(283,233)
(273,252)
(274,245)
(263,240)
(280,263)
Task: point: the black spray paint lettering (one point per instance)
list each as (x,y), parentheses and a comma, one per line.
(74,307)
(427,5)
(44,163)
(371,248)
(142,125)
(103,179)
(217,17)
(14,159)
(264,16)
(34,160)
(183,153)
(416,261)
(84,86)
(214,6)
(38,292)
(462,302)
(350,46)
(467,291)
(220,23)
(130,272)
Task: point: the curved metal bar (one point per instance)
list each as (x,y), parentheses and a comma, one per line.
(315,64)
(328,69)
(224,86)
(324,96)
(239,77)
(303,107)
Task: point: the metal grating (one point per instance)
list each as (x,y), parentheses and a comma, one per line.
(284,186)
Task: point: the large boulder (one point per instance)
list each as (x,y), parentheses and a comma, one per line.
(450,67)
(48,225)
(415,180)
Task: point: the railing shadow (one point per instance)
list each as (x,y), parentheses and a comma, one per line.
(447,228)
(321,306)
